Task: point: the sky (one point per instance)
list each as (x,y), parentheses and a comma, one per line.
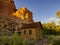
(43,10)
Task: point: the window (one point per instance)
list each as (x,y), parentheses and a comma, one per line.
(24,31)
(30,32)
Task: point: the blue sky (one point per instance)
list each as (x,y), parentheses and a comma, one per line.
(43,10)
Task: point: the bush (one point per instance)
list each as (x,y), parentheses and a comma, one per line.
(11,40)
(56,42)
(14,40)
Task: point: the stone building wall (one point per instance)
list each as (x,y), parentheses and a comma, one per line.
(35,33)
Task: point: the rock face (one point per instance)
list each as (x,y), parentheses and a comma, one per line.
(7,20)
(24,14)
(7,7)
(10,17)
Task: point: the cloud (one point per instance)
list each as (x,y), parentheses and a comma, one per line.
(50,19)
(53,19)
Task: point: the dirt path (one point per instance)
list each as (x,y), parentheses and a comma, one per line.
(42,42)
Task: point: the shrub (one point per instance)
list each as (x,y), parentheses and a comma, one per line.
(56,42)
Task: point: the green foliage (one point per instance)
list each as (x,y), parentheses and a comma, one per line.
(50,29)
(13,40)
(49,32)
(25,42)
(6,40)
(56,42)
(16,40)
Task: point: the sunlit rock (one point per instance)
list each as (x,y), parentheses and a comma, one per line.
(24,14)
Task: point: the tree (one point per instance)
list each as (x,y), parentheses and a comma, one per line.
(49,28)
(56,42)
(58,16)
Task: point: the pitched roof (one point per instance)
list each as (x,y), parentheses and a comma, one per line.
(32,25)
